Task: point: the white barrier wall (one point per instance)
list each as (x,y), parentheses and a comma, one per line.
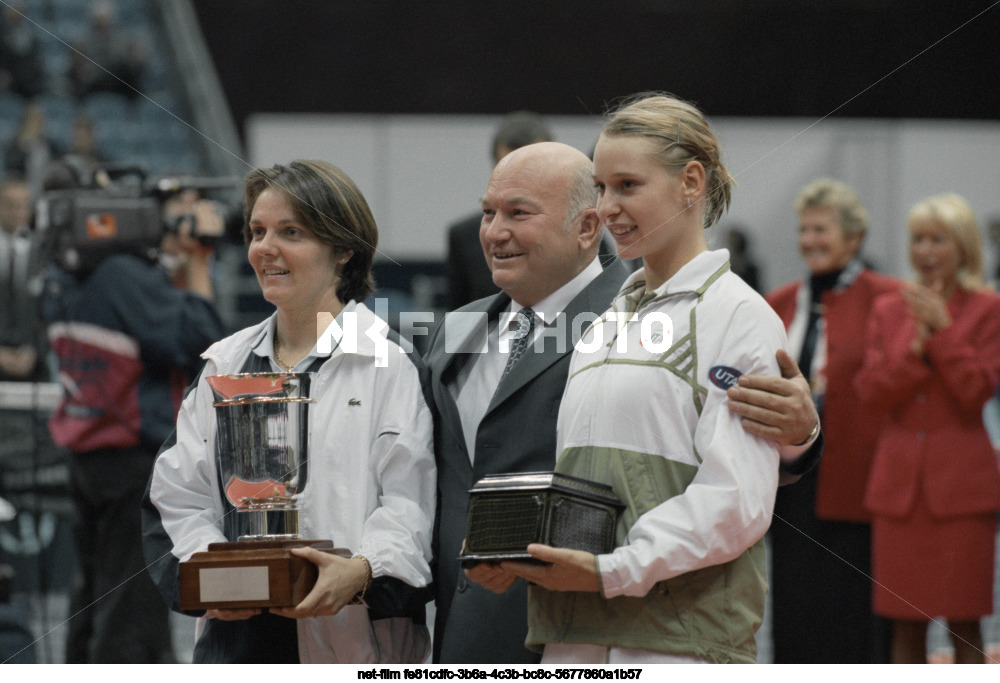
(421,173)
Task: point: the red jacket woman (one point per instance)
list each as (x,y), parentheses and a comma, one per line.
(934,450)
(932,361)
(848,426)
(821,528)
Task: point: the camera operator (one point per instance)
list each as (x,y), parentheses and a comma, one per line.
(195,224)
(128,341)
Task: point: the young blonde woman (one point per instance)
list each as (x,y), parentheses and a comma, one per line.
(932,361)
(645,411)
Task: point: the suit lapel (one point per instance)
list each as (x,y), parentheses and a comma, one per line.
(534,362)
(462,333)
(595,298)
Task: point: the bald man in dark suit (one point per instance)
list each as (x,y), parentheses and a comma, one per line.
(540,236)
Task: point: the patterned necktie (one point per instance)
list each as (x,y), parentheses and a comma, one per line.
(525,326)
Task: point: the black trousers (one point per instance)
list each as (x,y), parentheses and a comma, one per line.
(821,592)
(116,613)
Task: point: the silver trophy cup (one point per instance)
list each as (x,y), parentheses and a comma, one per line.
(262,444)
(261,450)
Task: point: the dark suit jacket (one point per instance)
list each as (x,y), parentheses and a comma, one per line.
(469,278)
(517,434)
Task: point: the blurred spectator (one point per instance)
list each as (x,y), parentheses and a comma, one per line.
(30,151)
(22,344)
(469,277)
(83,143)
(821,528)
(105,60)
(741,259)
(21,67)
(932,361)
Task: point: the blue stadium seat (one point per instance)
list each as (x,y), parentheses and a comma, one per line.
(107,106)
(11,106)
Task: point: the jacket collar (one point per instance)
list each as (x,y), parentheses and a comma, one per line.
(356,329)
(693,278)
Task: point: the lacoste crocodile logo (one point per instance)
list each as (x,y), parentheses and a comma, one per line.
(354,402)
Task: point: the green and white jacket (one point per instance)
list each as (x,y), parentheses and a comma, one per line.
(645,411)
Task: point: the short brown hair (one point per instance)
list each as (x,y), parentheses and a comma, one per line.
(519,129)
(332,207)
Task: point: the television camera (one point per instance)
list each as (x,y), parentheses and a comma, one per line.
(118,210)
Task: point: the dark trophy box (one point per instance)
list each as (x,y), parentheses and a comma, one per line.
(249,574)
(509,511)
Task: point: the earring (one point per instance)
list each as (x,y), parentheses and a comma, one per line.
(689,201)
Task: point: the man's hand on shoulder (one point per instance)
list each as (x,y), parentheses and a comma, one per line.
(777,408)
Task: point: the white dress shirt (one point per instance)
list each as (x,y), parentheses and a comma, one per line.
(476,382)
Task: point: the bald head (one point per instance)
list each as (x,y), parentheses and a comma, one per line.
(539,226)
(549,159)
(562,169)
(555,153)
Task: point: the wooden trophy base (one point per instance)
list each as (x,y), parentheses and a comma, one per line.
(250,574)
